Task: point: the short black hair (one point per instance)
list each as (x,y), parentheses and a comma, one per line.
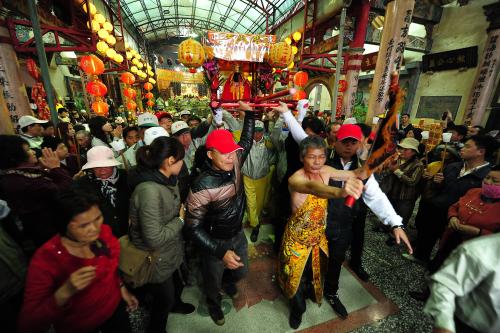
(314,124)
(79,127)
(61,110)
(129,129)
(71,203)
(486,142)
(51,142)
(198,119)
(12,152)
(417,133)
(365,129)
(460,129)
(48,124)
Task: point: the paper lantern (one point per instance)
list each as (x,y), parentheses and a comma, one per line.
(135,61)
(133,69)
(300,78)
(103,34)
(111,40)
(209,52)
(140,73)
(149,95)
(140,65)
(295,50)
(93,10)
(127,78)
(130,93)
(107,26)
(129,55)
(102,47)
(148,66)
(296,36)
(280,55)
(131,105)
(300,94)
(138,56)
(91,64)
(110,53)
(118,58)
(150,73)
(100,108)
(150,103)
(288,40)
(152,81)
(94,26)
(148,86)
(96,88)
(100,18)
(292,64)
(191,53)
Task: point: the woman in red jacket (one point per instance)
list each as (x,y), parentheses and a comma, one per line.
(73,282)
(475,214)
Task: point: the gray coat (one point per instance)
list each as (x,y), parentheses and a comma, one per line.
(155,222)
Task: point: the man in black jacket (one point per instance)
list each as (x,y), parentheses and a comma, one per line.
(216,205)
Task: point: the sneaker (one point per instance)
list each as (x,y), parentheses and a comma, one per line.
(183,308)
(337,306)
(414,259)
(294,321)
(231,290)
(360,272)
(217,315)
(255,234)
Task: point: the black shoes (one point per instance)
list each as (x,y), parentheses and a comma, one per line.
(421,296)
(360,272)
(337,306)
(183,308)
(230,290)
(294,321)
(217,315)
(255,234)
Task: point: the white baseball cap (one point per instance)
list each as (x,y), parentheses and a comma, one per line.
(152,133)
(30,120)
(185,113)
(179,126)
(100,157)
(147,119)
(259,125)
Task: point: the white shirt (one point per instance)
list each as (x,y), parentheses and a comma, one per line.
(372,195)
(468,286)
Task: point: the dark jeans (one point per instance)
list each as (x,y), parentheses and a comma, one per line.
(163,297)
(305,289)
(431,222)
(118,322)
(403,208)
(445,249)
(339,238)
(215,273)
(358,236)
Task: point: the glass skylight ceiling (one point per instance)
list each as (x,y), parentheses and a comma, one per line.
(161,19)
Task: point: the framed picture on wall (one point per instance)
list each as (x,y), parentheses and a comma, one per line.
(434,106)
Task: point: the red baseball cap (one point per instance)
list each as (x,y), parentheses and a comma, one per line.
(222,141)
(161,115)
(349,131)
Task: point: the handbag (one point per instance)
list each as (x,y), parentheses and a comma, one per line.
(137,266)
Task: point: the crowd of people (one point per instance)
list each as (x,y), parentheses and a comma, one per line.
(100,218)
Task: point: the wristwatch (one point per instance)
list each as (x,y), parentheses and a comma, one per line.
(400,226)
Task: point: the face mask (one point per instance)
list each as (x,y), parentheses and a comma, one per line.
(491,191)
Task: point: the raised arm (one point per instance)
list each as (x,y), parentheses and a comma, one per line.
(297,183)
(296,129)
(246,139)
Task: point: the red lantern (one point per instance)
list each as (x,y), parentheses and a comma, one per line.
(300,79)
(131,105)
(342,85)
(33,69)
(149,95)
(150,103)
(100,108)
(96,88)
(91,64)
(129,92)
(300,94)
(127,78)
(148,86)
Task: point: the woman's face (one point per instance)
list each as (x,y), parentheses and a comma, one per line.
(493,178)
(86,227)
(104,172)
(410,134)
(107,128)
(71,130)
(62,151)
(406,153)
(175,167)
(31,154)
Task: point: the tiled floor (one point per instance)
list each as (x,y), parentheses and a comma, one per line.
(380,306)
